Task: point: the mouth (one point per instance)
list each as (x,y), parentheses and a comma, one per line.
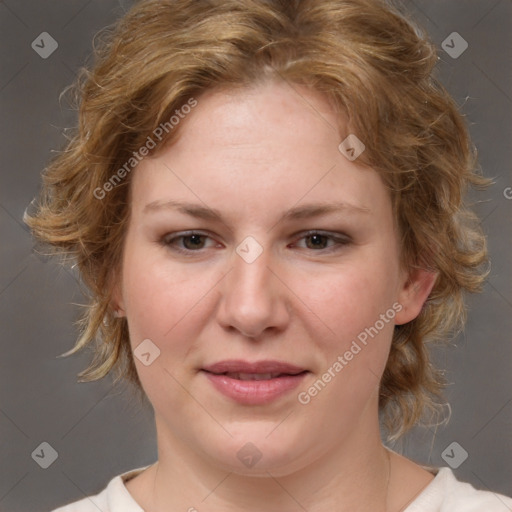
(255,383)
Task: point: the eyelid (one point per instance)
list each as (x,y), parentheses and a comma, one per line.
(330,234)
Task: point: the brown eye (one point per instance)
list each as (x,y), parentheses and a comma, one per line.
(317,241)
(187,242)
(192,242)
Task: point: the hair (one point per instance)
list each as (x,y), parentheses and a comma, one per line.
(372,64)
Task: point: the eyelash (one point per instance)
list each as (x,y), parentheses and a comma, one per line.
(339,240)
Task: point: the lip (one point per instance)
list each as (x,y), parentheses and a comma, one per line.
(241,366)
(254,392)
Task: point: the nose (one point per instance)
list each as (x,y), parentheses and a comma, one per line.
(253,298)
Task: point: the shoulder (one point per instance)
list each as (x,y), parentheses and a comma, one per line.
(90,503)
(114,498)
(447,494)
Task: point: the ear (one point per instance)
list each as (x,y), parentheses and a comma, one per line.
(416,287)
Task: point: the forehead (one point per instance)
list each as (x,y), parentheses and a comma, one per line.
(272,144)
(279,114)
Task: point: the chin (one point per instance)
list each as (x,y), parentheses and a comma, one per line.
(254,452)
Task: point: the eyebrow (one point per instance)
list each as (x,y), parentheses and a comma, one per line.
(295,213)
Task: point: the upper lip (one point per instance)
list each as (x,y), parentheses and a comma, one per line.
(240,366)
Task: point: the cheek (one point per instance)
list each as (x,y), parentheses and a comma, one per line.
(165,305)
(352,299)
(359,313)
(356,303)
(155,295)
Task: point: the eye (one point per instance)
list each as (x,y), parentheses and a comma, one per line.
(195,241)
(187,242)
(318,241)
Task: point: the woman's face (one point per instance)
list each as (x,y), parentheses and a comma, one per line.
(255,247)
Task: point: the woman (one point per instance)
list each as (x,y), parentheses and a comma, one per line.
(265,199)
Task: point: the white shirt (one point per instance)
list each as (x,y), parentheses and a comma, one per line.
(443,494)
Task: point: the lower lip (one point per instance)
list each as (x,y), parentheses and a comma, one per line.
(254,392)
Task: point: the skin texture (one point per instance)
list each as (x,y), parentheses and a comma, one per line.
(254,154)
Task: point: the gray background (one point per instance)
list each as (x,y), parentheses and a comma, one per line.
(100,431)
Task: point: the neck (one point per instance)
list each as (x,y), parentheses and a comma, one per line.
(352,476)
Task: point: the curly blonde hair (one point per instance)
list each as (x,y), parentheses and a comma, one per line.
(370,62)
